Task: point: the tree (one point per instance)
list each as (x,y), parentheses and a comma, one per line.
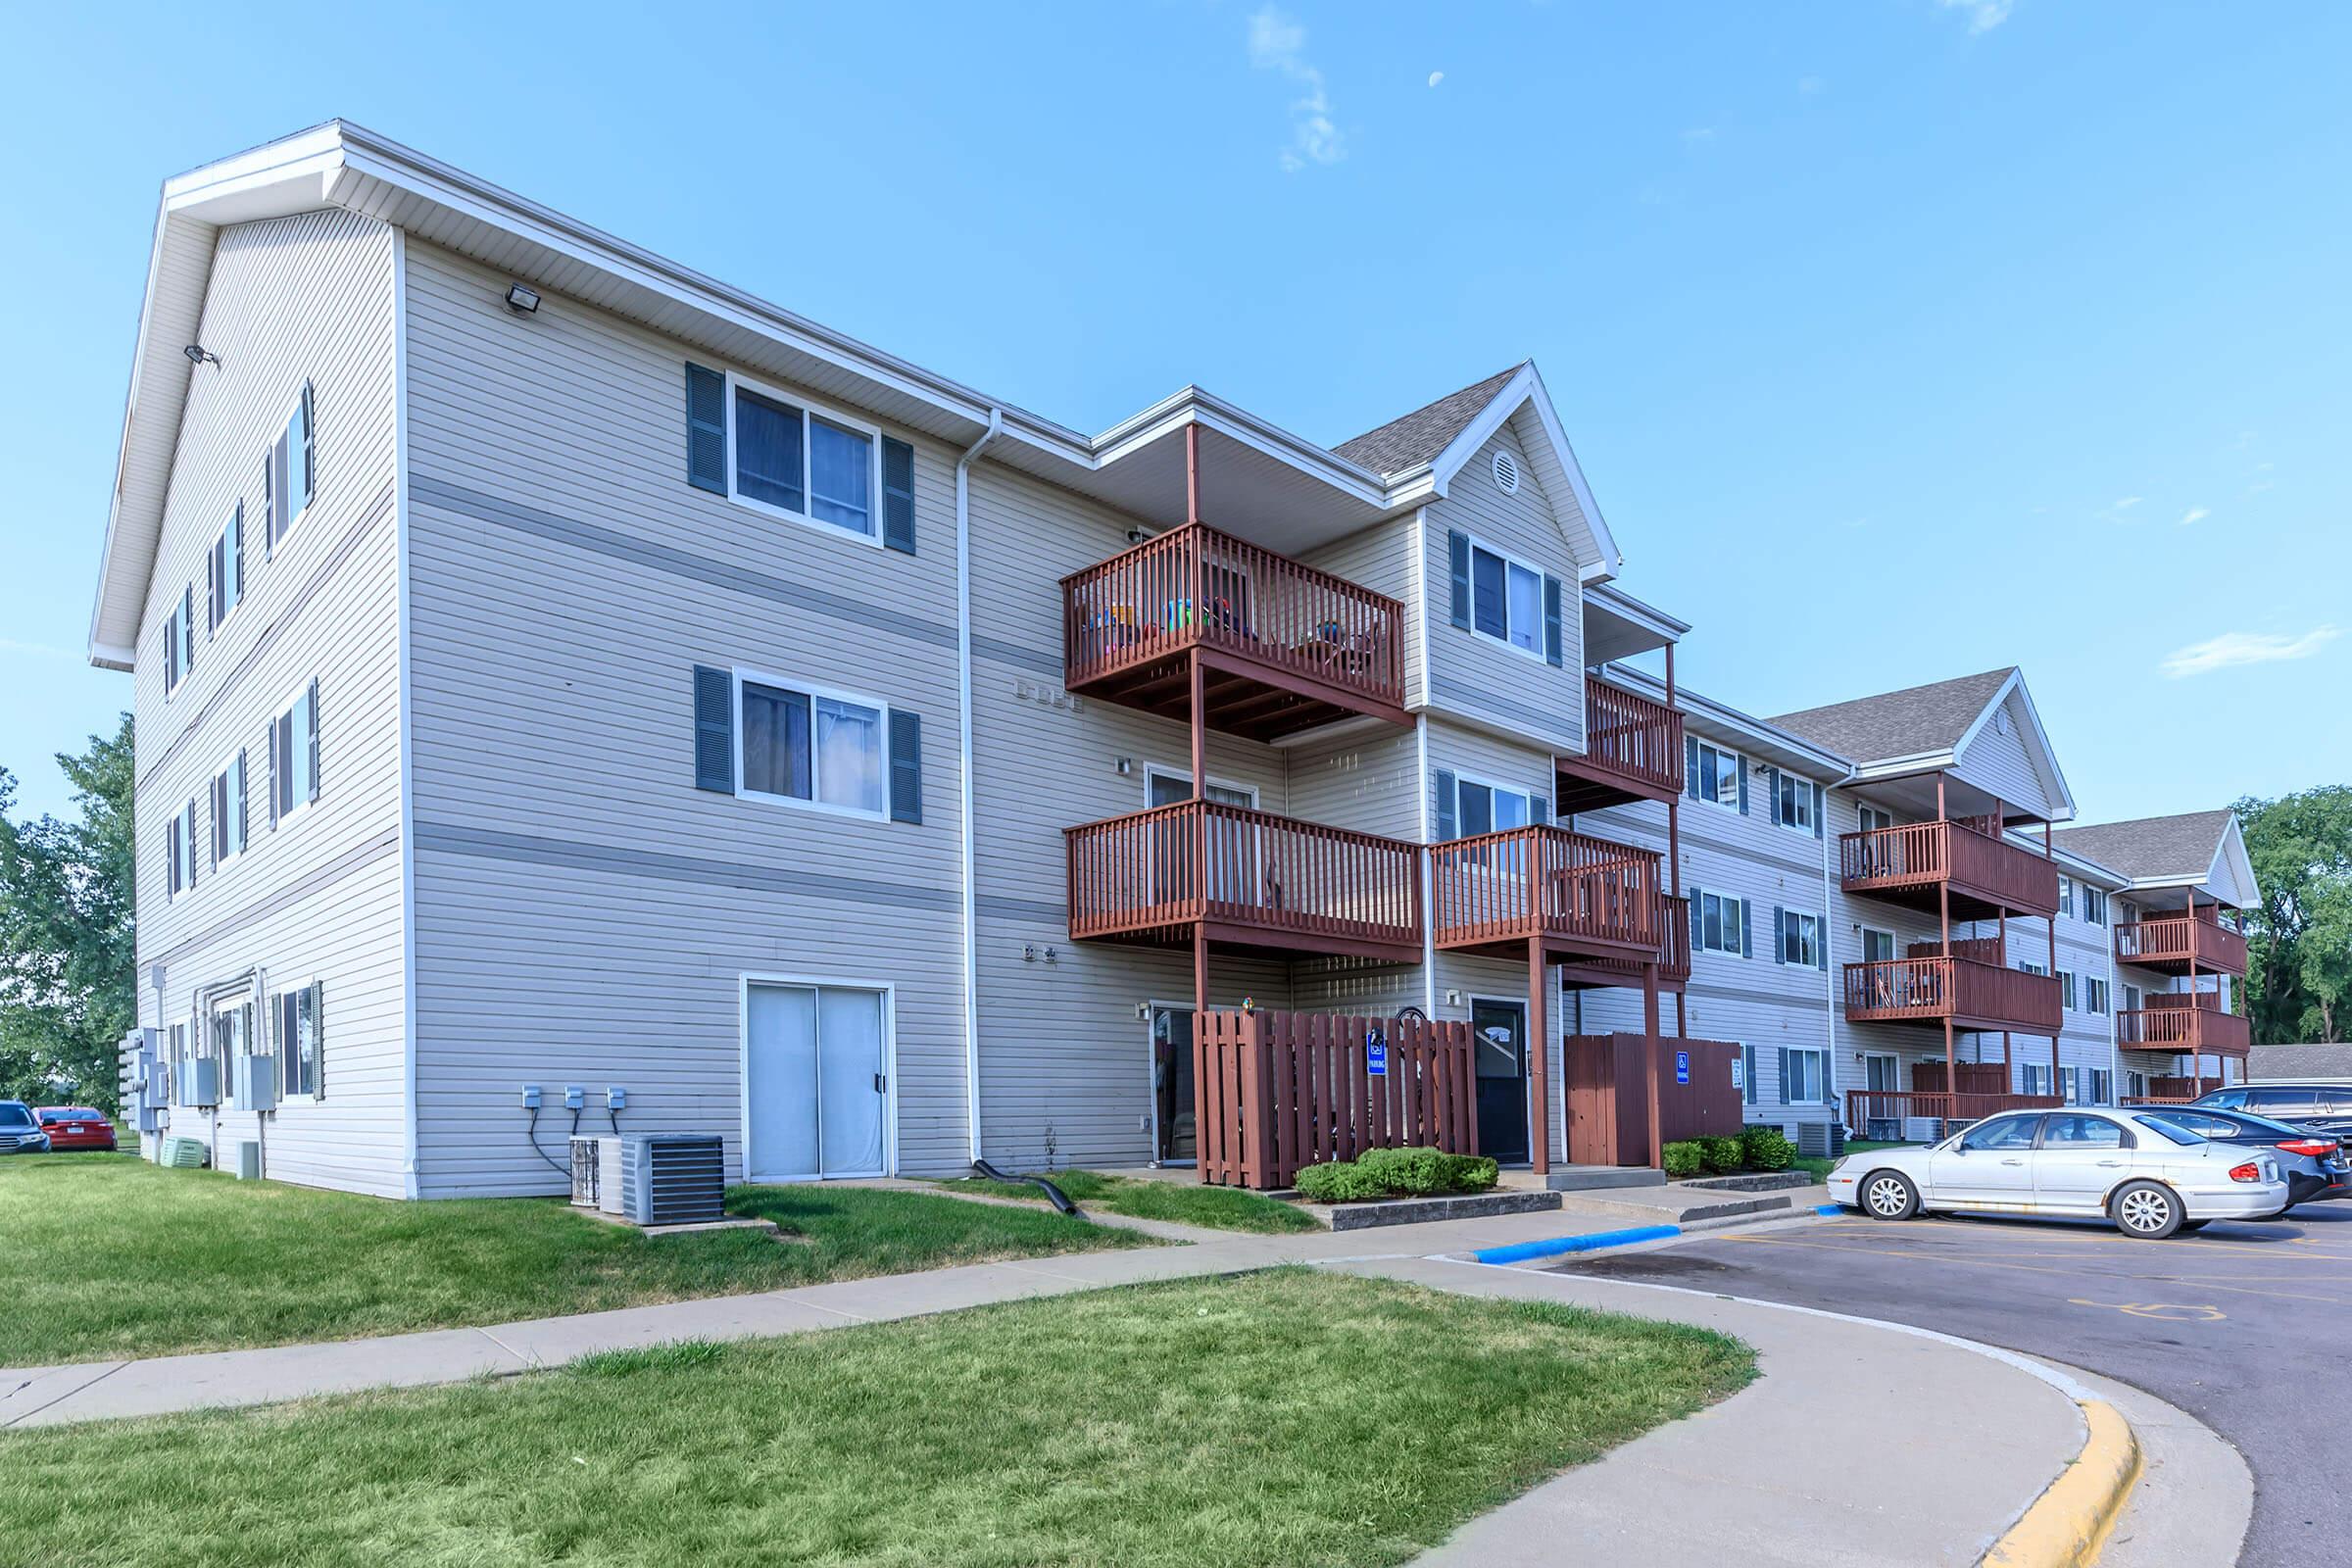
(2299,942)
(68,962)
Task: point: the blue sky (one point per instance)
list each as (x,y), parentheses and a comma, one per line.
(1980,334)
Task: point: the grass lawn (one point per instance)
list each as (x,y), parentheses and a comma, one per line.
(1287,1417)
(1224,1209)
(1857,1145)
(111,1256)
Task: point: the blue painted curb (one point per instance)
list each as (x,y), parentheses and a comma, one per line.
(1828,1208)
(1521,1251)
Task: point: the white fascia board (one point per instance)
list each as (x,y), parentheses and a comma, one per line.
(1192,406)
(1525,389)
(1617,601)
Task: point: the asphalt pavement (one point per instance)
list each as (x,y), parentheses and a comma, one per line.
(2240,1325)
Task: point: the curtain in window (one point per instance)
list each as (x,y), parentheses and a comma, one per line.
(1527,610)
(840,477)
(775,741)
(848,755)
(1489,606)
(768,450)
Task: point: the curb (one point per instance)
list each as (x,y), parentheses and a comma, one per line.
(2068,1525)
(1633,1236)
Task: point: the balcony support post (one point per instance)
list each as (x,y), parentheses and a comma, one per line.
(1199,888)
(1649,1047)
(1539,1062)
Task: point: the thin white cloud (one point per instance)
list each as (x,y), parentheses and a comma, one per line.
(12,645)
(1279,43)
(2233,649)
(2126,502)
(1982,14)
(2194,515)
(1435,77)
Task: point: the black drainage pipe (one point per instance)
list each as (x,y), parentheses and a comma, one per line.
(1053,1195)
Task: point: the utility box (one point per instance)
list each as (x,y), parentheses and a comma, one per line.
(672,1179)
(202,1083)
(249,1159)
(255,1084)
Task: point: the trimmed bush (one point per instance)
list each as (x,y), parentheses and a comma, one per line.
(1722,1154)
(1767,1148)
(1683,1159)
(1339,1182)
(1394,1173)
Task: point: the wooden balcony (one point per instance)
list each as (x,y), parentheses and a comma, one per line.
(1913,863)
(1674,971)
(1254,880)
(1633,752)
(2200,1029)
(1865,1107)
(1284,645)
(1583,898)
(2171,944)
(1974,994)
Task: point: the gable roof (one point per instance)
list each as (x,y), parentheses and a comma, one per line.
(2169,848)
(1917,721)
(1415,439)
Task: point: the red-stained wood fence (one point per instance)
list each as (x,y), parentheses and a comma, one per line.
(1607,1095)
(1276,1091)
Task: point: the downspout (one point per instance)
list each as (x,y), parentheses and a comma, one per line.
(964,772)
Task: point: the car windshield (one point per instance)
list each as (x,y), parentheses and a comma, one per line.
(2166,1129)
(14,1114)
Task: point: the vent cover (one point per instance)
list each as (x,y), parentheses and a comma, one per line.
(1507,473)
(672,1178)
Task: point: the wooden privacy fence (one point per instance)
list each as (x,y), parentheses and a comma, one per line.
(1606,1083)
(1276,1091)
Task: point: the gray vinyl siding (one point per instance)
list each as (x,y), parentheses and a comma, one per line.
(584,914)
(1380,557)
(2004,764)
(1471,675)
(319,898)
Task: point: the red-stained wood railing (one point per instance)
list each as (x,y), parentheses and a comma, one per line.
(1194,587)
(1984,950)
(1866,1105)
(2201,1028)
(1674,952)
(1277,1090)
(1964,853)
(2179,940)
(1205,860)
(1632,737)
(1547,882)
(1908,989)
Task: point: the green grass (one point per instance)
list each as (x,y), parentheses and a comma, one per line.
(1277,1418)
(1857,1145)
(1223,1208)
(111,1256)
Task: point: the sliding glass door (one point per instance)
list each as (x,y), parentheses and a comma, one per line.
(816,1086)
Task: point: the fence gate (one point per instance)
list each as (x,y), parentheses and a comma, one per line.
(1277,1090)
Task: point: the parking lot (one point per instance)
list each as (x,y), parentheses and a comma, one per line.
(2243,1325)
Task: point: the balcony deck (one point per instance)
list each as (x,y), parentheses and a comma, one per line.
(1633,752)
(1912,864)
(1865,1107)
(1674,971)
(1250,880)
(1284,647)
(1583,898)
(1974,994)
(2202,1030)
(2171,944)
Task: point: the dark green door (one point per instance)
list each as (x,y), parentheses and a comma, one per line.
(1498,1038)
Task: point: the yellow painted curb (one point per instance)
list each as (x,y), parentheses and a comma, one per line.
(2068,1525)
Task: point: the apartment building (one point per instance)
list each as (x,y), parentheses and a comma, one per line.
(576,693)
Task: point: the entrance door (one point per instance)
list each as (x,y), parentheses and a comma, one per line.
(1881,1075)
(1499,1043)
(1173,1141)
(1232,846)
(817,1088)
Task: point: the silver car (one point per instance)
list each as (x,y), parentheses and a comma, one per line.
(2148,1176)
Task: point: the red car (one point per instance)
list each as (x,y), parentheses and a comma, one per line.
(75,1127)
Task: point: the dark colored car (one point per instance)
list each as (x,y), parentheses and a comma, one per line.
(19,1130)
(2320,1106)
(75,1127)
(2311,1162)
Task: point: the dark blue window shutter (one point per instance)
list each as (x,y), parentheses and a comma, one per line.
(1744,786)
(1551,621)
(713,730)
(1691,765)
(312,740)
(1821,811)
(905,767)
(1821,947)
(898,495)
(1443,781)
(1692,893)
(1458,557)
(706,429)
(1747,928)
(1772,793)
(1780,935)
(1784,1094)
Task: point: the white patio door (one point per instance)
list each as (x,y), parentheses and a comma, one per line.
(816,1086)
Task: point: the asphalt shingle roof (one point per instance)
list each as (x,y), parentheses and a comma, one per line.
(1906,723)
(1409,442)
(2152,846)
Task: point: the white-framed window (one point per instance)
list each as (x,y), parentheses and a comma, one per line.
(179,640)
(1747,1075)
(800,460)
(179,851)
(1479,807)
(1871,819)
(294,755)
(1506,599)
(2102,1086)
(802,745)
(1878,947)
(2066,893)
(2131,998)
(2066,989)
(1717,776)
(290,473)
(2070,1084)
(179,1060)
(1796,802)
(2136,1083)
(1801,937)
(229,812)
(226,567)
(2037,1077)
(1722,922)
(2029,967)
(2094,904)
(231,1031)
(297,1020)
(2094,994)
(1804,1076)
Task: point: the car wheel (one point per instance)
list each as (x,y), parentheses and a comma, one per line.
(1888,1195)
(2146,1211)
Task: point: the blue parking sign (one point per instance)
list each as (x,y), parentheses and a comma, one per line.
(1376,1053)
(1682,1066)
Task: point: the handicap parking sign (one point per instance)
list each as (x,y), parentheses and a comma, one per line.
(1376,1053)
(1682,1066)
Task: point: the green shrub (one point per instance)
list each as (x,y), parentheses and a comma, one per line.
(1394,1173)
(1407,1172)
(1339,1182)
(1722,1154)
(1767,1148)
(1473,1173)
(1683,1159)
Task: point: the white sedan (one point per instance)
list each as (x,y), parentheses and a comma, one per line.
(2151,1178)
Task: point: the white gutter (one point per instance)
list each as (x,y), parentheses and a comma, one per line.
(963,770)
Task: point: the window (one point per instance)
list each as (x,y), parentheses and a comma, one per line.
(1719,775)
(1722,922)
(2094,994)
(2102,1086)
(1878,947)
(294,755)
(2001,1132)
(2029,967)
(1801,940)
(2094,906)
(295,1018)
(1506,601)
(1796,802)
(232,1033)
(2069,1085)
(229,812)
(2066,989)
(1747,1075)
(2066,895)
(179,1060)
(1490,808)
(812,747)
(179,640)
(814,467)
(1871,819)
(290,473)
(2082,1132)
(1804,1077)
(2037,1076)
(2136,1083)
(179,849)
(228,568)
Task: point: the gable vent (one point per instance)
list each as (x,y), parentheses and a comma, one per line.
(1507,473)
